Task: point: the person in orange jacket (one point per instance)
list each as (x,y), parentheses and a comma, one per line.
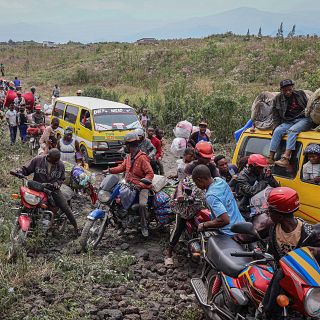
(136,167)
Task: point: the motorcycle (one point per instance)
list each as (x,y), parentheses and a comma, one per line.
(36,212)
(118,205)
(234,282)
(191,207)
(34,133)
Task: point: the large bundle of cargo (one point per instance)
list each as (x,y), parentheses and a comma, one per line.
(313,107)
(182,132)
(261,110)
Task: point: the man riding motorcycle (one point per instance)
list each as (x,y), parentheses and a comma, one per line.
(251,180)
(286,233)
(136,166)
(50,169)
(38,116)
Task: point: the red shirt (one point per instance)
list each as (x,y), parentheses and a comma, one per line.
(157,144)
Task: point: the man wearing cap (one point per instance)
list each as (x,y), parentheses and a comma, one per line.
(38,117)
(136,167)
(289,118)
(200,135)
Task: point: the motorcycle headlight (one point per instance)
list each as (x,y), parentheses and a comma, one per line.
(31,199)
(104,196)
(312,303)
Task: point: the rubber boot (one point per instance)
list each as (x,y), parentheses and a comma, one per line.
(143,221)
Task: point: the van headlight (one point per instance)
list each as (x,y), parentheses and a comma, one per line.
(312,303)
(104,196)
(31,198)
(100,146)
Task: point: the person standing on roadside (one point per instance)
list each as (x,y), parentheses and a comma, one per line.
(17,83)
(157,144)
(11,117)
(160,134)
(2,96)
(22,124)
(144,118)
(200,135)
(55,93)
(2,69)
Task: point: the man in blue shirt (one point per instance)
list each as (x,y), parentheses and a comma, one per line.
(17,82)
(220,200)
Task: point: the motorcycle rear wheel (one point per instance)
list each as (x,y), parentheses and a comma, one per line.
(92,233)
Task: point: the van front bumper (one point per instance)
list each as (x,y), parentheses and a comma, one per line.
(107,157)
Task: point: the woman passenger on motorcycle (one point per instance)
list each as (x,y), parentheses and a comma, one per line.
(253,179)
(50,130)
(68,146)
(51,143)
(136,166)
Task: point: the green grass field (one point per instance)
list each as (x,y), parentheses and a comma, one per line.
(215,78)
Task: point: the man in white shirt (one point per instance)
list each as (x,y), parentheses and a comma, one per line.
(11,117)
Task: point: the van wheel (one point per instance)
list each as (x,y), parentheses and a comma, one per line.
(85,155)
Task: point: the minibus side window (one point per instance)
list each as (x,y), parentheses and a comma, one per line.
(310,172)
(85,119)
(58,110)
(71,114)
(253,145)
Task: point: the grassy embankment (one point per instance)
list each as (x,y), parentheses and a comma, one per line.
(214,79)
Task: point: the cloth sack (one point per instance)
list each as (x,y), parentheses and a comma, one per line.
(178,146)
(183,129)
(313,107)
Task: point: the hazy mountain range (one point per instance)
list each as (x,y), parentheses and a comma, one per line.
(237,21)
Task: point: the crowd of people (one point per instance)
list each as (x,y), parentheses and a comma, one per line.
(228,187)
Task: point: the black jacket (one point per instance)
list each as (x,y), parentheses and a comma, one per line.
(281,103)
(248,185)
(39,167)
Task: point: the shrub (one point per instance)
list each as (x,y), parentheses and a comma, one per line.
(81,76)
(98,92)
(313,79)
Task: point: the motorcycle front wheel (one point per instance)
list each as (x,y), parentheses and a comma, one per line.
(92,233)
(18,239)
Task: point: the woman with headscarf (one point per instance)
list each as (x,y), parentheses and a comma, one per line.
(311,169)
(68,146)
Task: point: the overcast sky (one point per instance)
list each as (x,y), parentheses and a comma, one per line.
(65,11)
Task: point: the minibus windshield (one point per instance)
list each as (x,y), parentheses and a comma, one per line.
(115,119)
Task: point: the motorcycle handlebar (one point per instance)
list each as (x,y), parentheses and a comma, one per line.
(17,174)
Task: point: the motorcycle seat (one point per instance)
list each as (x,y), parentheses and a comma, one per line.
(218,252)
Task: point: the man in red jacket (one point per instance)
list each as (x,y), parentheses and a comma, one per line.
(136,167)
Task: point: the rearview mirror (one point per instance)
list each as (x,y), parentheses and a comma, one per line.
(244,228)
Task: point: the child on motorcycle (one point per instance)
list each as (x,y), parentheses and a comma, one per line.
(136,167)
